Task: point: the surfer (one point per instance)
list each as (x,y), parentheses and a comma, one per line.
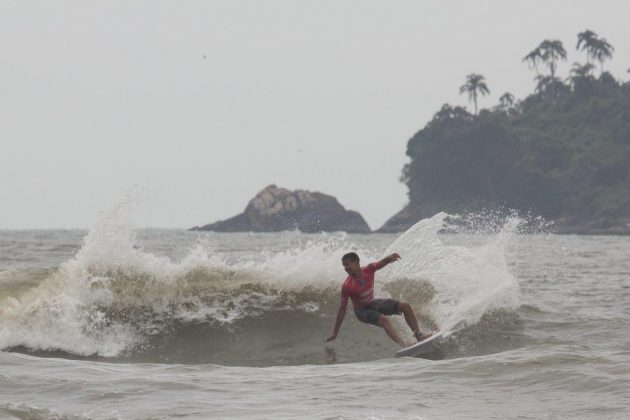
(359,287)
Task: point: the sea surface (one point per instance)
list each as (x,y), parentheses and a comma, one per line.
(117,322)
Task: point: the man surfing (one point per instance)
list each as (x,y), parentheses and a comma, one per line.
(359,287)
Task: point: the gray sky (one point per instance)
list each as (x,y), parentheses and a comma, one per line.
(97,97)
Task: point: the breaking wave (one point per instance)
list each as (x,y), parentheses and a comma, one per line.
(116,300)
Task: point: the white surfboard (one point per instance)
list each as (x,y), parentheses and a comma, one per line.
(420,346)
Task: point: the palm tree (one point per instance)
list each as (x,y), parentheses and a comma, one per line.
(596,48)
(548,52)
(475,85)
(585,40)
(551,52)
(601,50)
(506,101)
(533,59)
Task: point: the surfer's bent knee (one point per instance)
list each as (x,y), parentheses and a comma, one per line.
(382,321)
(403,307)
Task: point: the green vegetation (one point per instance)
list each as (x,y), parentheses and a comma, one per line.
(475,85)
(562,152)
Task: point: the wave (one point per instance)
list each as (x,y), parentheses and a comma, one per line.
(115,300)
(24,411)
(467,281)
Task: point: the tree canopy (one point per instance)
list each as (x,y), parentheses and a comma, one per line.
(562,152)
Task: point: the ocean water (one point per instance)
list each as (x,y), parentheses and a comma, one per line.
(116,322)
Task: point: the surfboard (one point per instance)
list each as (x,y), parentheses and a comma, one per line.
(420,347)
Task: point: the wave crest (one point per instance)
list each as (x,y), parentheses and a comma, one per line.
(114,298)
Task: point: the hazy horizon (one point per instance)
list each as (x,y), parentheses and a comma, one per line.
(200,105)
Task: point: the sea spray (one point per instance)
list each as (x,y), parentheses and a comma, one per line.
(112,295)
(115,299)
(465,282)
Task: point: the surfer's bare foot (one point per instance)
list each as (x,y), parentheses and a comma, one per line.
(408,343)
(421,337)
(427,335)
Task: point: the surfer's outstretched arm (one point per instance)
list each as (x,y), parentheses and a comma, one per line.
(387,260)
(340,316)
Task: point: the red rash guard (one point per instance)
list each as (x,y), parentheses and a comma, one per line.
(361,291)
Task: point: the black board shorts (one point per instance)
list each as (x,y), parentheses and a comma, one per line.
(370,312)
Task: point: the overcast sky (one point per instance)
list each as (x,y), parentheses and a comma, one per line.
(201,104)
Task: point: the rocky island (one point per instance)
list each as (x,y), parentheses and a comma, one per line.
(276,209)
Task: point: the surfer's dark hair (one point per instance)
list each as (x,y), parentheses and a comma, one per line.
(352,256)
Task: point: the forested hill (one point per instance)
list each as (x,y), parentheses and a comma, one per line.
(563,153)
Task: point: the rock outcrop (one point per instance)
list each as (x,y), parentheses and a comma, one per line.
(276,209)
(404,219)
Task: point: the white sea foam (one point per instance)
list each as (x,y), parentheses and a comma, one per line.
(468,281)
(112,294)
